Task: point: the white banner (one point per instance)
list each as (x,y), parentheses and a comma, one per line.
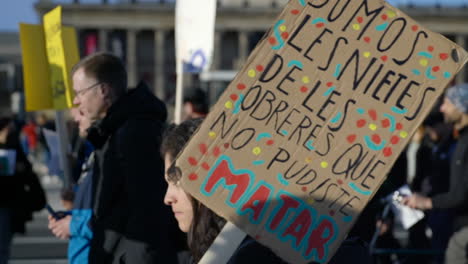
(195,22)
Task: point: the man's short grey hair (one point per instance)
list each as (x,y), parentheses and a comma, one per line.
(105,68)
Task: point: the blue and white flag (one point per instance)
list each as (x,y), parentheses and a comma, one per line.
(195,23)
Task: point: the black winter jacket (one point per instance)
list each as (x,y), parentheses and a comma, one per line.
(457,196)
(131,224)
(21,192)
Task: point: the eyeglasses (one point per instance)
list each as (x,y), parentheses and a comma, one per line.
(83,91)
(174,174)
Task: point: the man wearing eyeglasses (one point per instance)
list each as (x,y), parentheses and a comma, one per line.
(130,222)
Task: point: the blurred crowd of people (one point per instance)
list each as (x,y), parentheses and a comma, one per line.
(125,204)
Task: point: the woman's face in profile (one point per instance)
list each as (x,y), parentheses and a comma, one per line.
(178,199)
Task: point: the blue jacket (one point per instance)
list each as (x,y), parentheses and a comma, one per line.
(80,224)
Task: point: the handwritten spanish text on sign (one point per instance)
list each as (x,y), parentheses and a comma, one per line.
(305,134)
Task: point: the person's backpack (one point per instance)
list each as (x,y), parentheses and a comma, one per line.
(34,193)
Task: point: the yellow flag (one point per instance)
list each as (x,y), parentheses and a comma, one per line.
(49,53)
(35,68)
(60,83)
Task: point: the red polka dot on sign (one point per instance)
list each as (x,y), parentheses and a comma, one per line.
(415,28)
(435,69)
(385,123)
(226,145)
(340,182)
(360,19)
(361,123)
(387,151)
(351,138)
(384,17)
(373,114)
(241,86)
(192,161)
(193,176)
(304,89)
(384,58)
(216,151)
(203,148)
(284,35)
(319,25)
(233,97)
(430,48)
(394,140)
(376,139)
(205,166)
(329,84)
(272,40)
(332,213)
(259,68)
(367,39)
(270,142)
(443,56)
(294,11)
(304,189)
(399,126)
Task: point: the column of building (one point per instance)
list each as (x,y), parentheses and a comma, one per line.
(461,40)
(131,58)
(243,38)
(160,35)
(102,39)
(159,70)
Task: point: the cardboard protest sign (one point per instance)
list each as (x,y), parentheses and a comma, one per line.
(49,52)
(303,137)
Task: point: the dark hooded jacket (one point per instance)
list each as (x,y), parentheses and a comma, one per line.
(21,192)
(130,222)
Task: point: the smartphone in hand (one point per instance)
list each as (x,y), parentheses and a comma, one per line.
(56,214)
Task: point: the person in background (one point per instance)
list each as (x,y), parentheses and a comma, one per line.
(76,226)
(455,111)
(21,193)
(81,150)
(46,155)
(203,225)
(432,167)
(81,147)
(43,122)
(130,222)
(200,223)
(195,104)
(30,133)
